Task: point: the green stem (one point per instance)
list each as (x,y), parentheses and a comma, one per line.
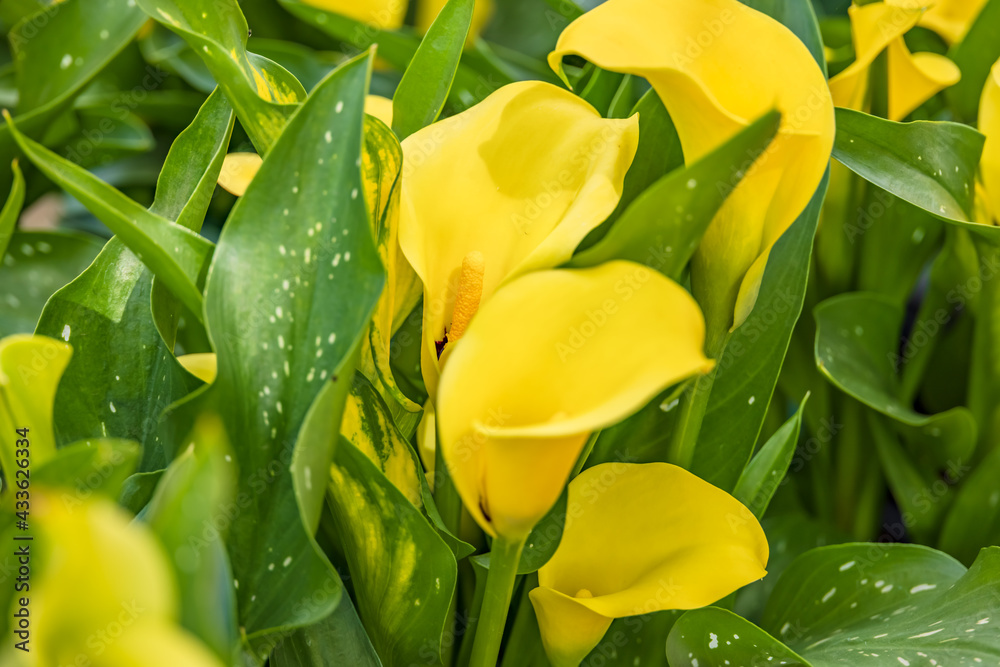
(446,496)
(504,558)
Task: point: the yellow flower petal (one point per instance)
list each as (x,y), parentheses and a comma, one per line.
(521,178)
(989,124)
(678,46)
(382,14)
(637,539)
(551,357)
(101,571)
(380,107)
(952,18)
(203,366)
(30,370)
(427,11)
(238,169)
(915,78)
(569,629)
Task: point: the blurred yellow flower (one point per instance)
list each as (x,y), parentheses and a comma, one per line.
(913,77)
(105,594)
(641,538)
(952,18)
(390,14)
(30,370)
(704,59)
(509,186)
(989,164)
(427,11)
(552,357)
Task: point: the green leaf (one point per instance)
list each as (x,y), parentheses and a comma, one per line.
(193,498)
(88,467)
(857,339)
(339,639)
(975,55)
(176,255)
(690,197)
(122,374)
(57,51)
(108,135)
(866,604)
(932,165)
(543,540)
(422,92)
(292,287)
(12,208)
(973,520)
(38,264)
(748,370)
(766,471)
(471,84)
(262,92)
(404,574)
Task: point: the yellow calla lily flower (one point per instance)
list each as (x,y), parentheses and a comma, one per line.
(913,78)
(989,125)
(509,186)
(382,14)
(380,107)
(704,59)
(952,18)
(553,356)
(203,366)
(30,370)
(641,538)
(105,591)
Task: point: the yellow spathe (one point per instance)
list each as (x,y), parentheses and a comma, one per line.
(704,59)
(641,538)
(30,370)
(105,591)
(989,164)
(520,178)
(551,357)
(380,107)
(381,14)
(913,78)
(203,366)
(238,169)
(952,18)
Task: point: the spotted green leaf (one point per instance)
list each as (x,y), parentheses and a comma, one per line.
(123,374)
(262,92)
(339,639)
(858,604)
(292,287)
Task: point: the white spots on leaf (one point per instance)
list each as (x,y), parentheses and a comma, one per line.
(354,193)
(332,338)
(336,259)
(65,333)
(887,588)
(270,567)
(66,61)
(713,640)
(751,401)
(286,562)
(829,594)
(279,313)
(281,341)
(111,406)
(328,136)
(339,107)
(983,621)
(923,587)
(347,256)
(847,566)
(926,634)
(692,184)
(282,249)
